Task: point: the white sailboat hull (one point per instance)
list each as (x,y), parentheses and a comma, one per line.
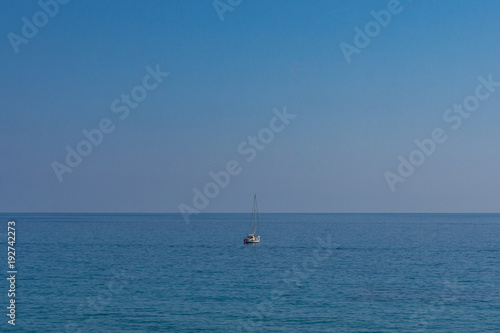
(251,239)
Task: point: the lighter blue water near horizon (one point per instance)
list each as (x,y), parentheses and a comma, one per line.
(311,273)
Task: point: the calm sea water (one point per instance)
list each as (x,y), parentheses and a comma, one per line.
(311,273)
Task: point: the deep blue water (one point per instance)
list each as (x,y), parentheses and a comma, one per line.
(311,273)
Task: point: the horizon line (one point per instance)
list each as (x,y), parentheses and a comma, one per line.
(178,213)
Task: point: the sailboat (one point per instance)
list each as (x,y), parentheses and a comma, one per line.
(253,238)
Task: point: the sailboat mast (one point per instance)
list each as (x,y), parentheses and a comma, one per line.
(254,214)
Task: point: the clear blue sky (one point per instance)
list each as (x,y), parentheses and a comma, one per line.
(353,119)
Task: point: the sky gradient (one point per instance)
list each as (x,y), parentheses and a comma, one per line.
(225,78)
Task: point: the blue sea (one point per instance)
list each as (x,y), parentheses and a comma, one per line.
(310,273)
